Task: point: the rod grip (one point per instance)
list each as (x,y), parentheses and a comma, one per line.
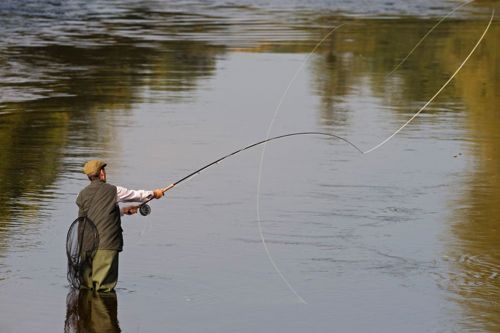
(168,188)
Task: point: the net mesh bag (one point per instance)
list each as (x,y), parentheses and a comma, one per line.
(82,242)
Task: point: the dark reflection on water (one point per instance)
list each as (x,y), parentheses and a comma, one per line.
(88,311)
(75,76)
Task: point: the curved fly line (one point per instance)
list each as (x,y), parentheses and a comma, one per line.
(377,146)
(145,210)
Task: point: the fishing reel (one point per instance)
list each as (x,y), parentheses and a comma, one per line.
(145,209)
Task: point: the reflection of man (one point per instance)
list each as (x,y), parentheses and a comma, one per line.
(99,202)
(89,312)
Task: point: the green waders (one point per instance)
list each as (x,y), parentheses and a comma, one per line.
(102,274)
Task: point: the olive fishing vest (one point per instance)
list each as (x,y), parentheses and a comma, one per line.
(97,201)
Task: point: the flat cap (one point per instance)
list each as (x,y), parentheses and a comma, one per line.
(93,167)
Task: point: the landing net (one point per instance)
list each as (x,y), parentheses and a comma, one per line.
(82,242)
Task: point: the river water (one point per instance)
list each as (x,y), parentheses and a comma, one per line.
(304,233)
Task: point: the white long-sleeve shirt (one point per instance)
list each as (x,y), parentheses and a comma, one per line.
(125,195)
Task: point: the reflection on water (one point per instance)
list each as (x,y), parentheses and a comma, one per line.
(88,311)
(475,276)
(75,76)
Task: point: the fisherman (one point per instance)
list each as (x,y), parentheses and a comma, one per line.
(99,202)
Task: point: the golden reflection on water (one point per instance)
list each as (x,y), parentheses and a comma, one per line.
(372,48)
(476,228)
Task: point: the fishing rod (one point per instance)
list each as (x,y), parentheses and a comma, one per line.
(145,209)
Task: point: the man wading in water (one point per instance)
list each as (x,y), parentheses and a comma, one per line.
(99,202)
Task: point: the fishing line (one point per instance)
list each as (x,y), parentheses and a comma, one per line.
(261,164)
(259,181)
(425,36)
(438,92)
(145,209)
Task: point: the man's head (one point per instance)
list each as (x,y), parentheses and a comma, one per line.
(94,169)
